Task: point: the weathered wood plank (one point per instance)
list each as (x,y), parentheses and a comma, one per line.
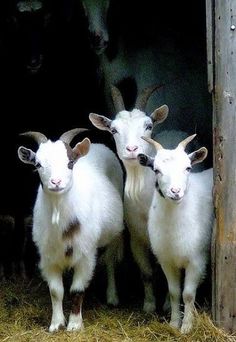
(210,31)
(224,99)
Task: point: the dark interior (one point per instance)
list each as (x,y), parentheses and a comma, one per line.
(49,83)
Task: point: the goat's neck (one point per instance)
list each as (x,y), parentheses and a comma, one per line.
(56,202)
(136,179)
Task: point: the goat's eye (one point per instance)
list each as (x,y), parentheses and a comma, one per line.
(149,127)
(71,164)
(157,172)
(114,130)
(188,168)
(37,165)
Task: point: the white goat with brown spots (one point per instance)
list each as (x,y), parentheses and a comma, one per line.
(78,209)
(180,222)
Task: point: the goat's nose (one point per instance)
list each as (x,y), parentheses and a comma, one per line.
(175,190)
(56,181)
(131,148)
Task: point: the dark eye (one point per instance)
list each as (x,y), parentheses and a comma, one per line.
(149,127)
(114,130)
(71,164)
(157,172)
(38,165)
(188,169)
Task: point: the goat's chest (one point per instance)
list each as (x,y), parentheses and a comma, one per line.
(172,237)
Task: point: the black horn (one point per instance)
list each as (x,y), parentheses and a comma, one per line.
(117,99)
(144,96)
(37,136)
(69,135)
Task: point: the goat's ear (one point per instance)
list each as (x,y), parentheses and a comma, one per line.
(198,156)
(160,114)
(100,121)
(82,148)
(145,160)
(26,155)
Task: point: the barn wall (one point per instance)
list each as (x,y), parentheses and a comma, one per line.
(222,76)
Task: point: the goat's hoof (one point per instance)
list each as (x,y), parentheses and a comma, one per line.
(175,324)
(54,327)
(113,301)
(73,326)
(186,328)
(149,307)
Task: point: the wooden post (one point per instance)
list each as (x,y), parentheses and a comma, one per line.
(223,36)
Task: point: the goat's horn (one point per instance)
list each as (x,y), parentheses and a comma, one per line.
(69,135)
(156,144)
(117,99)
(37,136)
(144,96)
(187,140)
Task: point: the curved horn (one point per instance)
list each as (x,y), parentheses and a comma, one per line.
(69,135)
(185,142)
(153,143)
(37,136)
(117,99)
(144,96)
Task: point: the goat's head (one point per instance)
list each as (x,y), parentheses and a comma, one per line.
(54,160)
(128,126)
(96,13)
(172,167)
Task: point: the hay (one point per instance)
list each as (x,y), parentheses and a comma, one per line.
(25,312)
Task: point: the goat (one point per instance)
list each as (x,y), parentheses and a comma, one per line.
(180,222)
(96,14)
(78,209)
(127,129)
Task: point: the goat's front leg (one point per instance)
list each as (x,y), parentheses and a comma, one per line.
(192,279)
(83,272)
(141,256)
(55,283)
(173,276)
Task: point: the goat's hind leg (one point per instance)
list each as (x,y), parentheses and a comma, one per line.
(112,256)
(141,256)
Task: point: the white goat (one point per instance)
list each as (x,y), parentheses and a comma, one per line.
(180,222)
(78,209)
(127,129)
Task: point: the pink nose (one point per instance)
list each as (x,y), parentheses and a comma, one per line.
(175,190)
(132,148)
(56,181)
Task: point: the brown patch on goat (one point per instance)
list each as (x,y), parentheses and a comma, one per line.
(72,156)
(77,300)
(71,230)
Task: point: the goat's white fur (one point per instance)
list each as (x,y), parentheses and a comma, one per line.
(179,226)
(139,185)
(91,194)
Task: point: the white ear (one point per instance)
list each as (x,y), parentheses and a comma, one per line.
(100,121)
(198,156)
